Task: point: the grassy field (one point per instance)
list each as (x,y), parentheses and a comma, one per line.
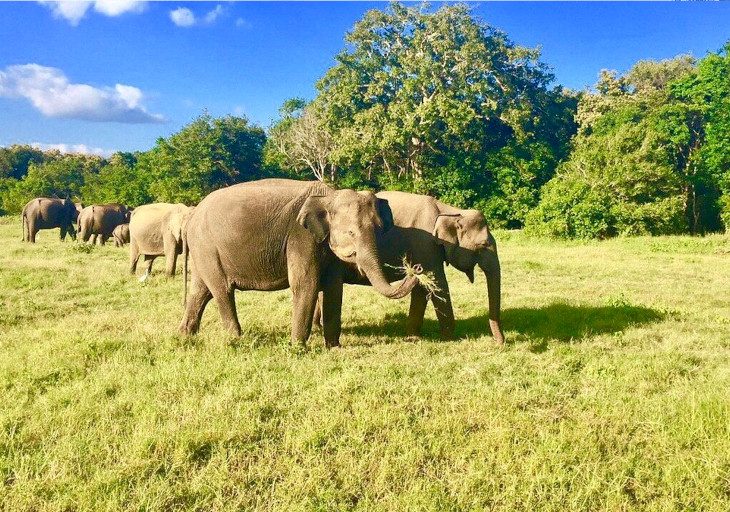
(613,392)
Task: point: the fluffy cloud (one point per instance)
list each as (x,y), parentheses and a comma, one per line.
(184,17)
(74,10)
(73,148)
(51,93)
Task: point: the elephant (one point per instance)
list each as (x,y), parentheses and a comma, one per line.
(100,220)
(430,233)
(156,230)
(275,234)
(48,213)
(121,235)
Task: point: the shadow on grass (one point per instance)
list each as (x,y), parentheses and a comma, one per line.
(557,321)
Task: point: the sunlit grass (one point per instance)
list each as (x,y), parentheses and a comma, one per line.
(612,393)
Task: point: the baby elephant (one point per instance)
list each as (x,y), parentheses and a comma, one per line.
(121,235)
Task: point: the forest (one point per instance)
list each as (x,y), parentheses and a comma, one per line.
(440,102)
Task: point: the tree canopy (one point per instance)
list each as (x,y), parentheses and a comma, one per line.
(434,102)
(650,155)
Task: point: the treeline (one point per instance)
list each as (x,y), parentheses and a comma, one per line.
(205,155)
(444,104)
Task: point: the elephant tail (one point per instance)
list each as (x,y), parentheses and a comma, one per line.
(23,222)
(185,254)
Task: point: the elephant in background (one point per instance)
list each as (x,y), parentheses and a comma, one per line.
(100,220)
(431,233)
(48,213)
(275,234)
(121,235)
(156,230)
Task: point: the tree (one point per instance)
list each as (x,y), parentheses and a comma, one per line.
(61,177)
(15,160)
(119,180)
(442,103)
(637,161)
(205,155)
(302,143)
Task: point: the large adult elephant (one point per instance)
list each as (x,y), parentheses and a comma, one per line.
(48,213)
(431,233)
(100,220)
(275,234)
(156,230)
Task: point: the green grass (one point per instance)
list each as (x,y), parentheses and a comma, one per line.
(613,392)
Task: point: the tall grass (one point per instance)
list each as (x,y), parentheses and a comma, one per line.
(612,393)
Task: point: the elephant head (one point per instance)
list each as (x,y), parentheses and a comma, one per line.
(467,242)
(71,214)
(349,221)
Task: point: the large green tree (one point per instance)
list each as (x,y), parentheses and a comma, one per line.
(207,154)
(640,162)
(440,102)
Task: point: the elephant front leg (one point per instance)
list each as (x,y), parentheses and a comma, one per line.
(332,310)
(419,300)
(442,304)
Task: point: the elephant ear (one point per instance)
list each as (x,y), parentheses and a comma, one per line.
(447,229)
(385,213)
(315,217)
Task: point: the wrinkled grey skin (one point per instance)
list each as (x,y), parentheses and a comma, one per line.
(121,235)
(48,213)
(156,230)
(275,234)
(100,220)
(431,233)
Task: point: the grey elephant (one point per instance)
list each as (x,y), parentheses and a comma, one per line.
(121,235)
(48,213)
(100,220)
(156,230)
(275,234)
(430,233)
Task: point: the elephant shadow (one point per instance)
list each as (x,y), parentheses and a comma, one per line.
(557,322)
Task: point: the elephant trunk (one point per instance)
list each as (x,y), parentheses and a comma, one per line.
(489,263)
(369,262)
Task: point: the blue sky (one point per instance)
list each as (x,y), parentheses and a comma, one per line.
(116,74)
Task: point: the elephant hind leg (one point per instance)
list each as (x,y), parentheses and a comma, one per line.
(317,316)
(133,256)
(197,300)
(227,307)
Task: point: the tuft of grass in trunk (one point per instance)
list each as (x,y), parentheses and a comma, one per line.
(425,279)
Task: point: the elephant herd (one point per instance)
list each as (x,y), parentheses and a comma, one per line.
(275,234)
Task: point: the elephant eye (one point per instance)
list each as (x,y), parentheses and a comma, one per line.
(351,233)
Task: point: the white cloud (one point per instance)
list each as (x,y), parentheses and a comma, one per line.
(214,14)
(73,148)
(51,93)
(117,7)
(74,10)
(182,17)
